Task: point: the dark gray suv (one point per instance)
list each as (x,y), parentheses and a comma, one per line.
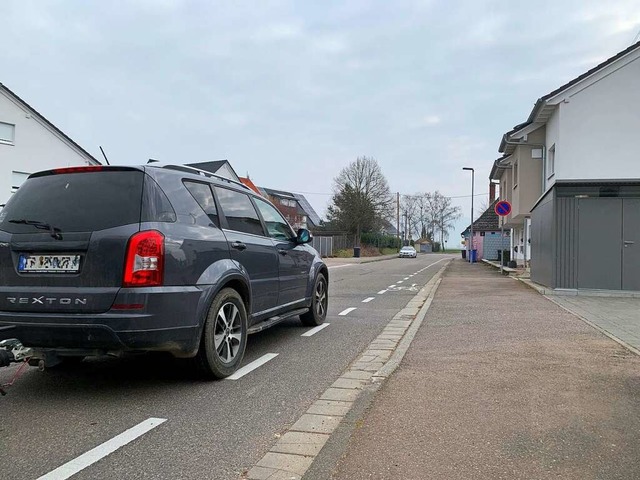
(97,260)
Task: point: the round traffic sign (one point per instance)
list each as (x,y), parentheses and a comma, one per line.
(503,208)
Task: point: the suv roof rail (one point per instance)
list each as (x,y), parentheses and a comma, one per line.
(202,173)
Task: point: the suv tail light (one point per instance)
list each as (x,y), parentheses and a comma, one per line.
(144,264)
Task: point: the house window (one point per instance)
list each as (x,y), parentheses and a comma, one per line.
(7,133)
(551,162)
(17,179)
(515,174)
(287,203)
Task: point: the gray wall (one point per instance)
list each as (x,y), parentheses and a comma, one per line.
(543,242)
(566,265)
(492,243)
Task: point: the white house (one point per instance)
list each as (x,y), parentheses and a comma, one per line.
(30,143)
(578,157)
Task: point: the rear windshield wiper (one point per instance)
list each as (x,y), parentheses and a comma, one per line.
(55,232)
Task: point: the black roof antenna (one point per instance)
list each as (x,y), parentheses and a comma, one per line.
(105,157)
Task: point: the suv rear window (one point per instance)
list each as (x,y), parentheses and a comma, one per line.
(76,202)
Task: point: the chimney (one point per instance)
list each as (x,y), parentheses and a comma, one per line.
(492,192)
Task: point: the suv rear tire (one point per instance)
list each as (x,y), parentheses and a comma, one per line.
(224,336)
(319,302)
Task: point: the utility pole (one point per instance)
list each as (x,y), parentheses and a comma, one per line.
(398,219)
(470,247)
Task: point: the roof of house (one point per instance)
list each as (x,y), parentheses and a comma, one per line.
(247,181)
(303,203)
(278,193)
(308,209)
(498,166)
(541,101)
(389,227)
(42,118)
(487,222)
(579,78)
(212,167)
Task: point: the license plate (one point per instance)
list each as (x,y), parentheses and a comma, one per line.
(49,263)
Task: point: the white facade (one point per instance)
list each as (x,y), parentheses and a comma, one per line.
(227,172)
(29,143)
(594,126)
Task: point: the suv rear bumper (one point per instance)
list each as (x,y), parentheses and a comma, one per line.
(159,319)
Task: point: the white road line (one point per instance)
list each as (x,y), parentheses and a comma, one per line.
(250,367)
(400,281)
(367,300)
(381,292)
(406,278)
(315,330)
(347,311)
(92,456)
(434,263)
(340,266)
(392,286)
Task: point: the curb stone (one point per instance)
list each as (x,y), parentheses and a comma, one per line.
(295,451)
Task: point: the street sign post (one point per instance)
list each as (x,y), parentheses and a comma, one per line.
(502,209)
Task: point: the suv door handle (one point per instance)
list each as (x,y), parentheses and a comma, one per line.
(282,251)
(238,245)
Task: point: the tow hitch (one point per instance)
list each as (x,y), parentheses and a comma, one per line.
(12,351)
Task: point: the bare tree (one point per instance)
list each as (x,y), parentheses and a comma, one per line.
(410,210)
(361,198)
(482,207)
(444,215)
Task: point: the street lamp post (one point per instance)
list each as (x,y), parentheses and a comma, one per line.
(473,173)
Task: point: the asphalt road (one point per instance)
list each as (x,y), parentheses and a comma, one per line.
(213,430)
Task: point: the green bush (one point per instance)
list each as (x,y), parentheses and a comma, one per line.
(379,240)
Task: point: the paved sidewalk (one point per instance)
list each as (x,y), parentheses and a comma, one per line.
(618,316)
(500,383)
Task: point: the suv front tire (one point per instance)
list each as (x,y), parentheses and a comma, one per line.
(319,303)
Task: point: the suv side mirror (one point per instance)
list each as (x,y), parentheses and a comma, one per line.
(304,236)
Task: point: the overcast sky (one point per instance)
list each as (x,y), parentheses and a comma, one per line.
(291,92)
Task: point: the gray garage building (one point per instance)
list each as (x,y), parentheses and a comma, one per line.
(586,235)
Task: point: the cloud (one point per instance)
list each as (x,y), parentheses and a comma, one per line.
(331,44)
(426,121)
(278,31)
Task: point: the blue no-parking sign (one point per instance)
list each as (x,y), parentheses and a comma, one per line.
(503,208)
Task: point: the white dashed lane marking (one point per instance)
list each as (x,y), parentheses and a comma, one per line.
(92,456)
(250,367)
(315,330)
(347,311)
(367,300)
(381,292)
